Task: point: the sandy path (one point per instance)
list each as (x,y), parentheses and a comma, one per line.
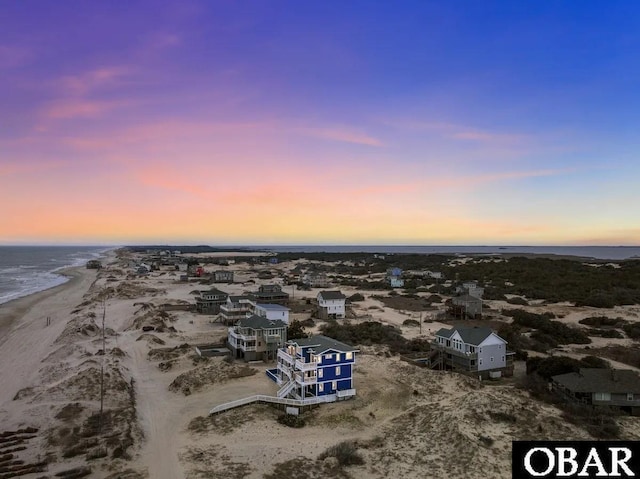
(164,415)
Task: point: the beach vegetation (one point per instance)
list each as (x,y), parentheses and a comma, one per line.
(345,452)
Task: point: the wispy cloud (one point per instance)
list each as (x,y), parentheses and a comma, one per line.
(81,108)
(458,131)
(87,82)
(342,134)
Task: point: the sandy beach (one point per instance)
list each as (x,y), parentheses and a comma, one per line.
(406,420)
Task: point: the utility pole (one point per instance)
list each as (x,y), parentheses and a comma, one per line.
(104,313)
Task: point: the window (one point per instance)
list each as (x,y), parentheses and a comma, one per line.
(629,396)
(602,396)
(491,358)
(349,356)
(480,362)
(334,385)
(337,370)
(337,356)
(320,387)
(502,359)
(328,356)
(320,373)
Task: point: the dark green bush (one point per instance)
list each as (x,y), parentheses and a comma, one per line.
(345,452)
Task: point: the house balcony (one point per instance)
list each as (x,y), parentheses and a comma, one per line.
(273,338)
(234,334)
(306,366)
(282,354)
(306,379)
(234,309)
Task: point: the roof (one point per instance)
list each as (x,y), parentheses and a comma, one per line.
(321,344)
(271,307)
(591,380)
(473,336)
(214,291)
(258,322)
(329,295)
(466,298)
(237,299)
(269,294)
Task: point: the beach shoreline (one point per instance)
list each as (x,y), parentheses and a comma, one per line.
(12,311)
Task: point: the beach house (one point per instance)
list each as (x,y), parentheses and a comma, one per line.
(331,305)
(270,294)
(210,301)
(465,306)
(271,311)
(235,308)
(475,351)
(316,366)
(222,276)
(471,288)
(619,388)
(256,338)
(394,277)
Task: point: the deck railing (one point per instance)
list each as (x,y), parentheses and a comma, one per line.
(274,400)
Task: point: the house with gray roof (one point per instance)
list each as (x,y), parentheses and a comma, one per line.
(313,367)
(474,351)
(331,305)
(210,301)
(235,308)
(618,388)
(270,294)
(466,306)
(256,338)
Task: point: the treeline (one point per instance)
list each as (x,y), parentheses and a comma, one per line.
(555,280)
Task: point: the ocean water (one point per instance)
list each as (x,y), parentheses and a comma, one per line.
(28,269)
(615,253)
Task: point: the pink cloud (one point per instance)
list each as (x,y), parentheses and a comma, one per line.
(80,108)
(84,83)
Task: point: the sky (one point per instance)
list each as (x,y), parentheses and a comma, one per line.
(330,122)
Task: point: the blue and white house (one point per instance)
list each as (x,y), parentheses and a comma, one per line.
(394,277)
(313,367)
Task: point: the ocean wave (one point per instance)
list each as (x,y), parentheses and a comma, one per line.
(40,282)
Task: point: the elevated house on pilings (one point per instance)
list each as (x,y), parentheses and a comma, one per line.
(210,301)
(313,367)
(476,351)
(256,338)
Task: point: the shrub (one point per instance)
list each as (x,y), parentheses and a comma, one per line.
(345,452)
(291,420)
(599,321)
(518,300)
(632,330)
(411,322)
